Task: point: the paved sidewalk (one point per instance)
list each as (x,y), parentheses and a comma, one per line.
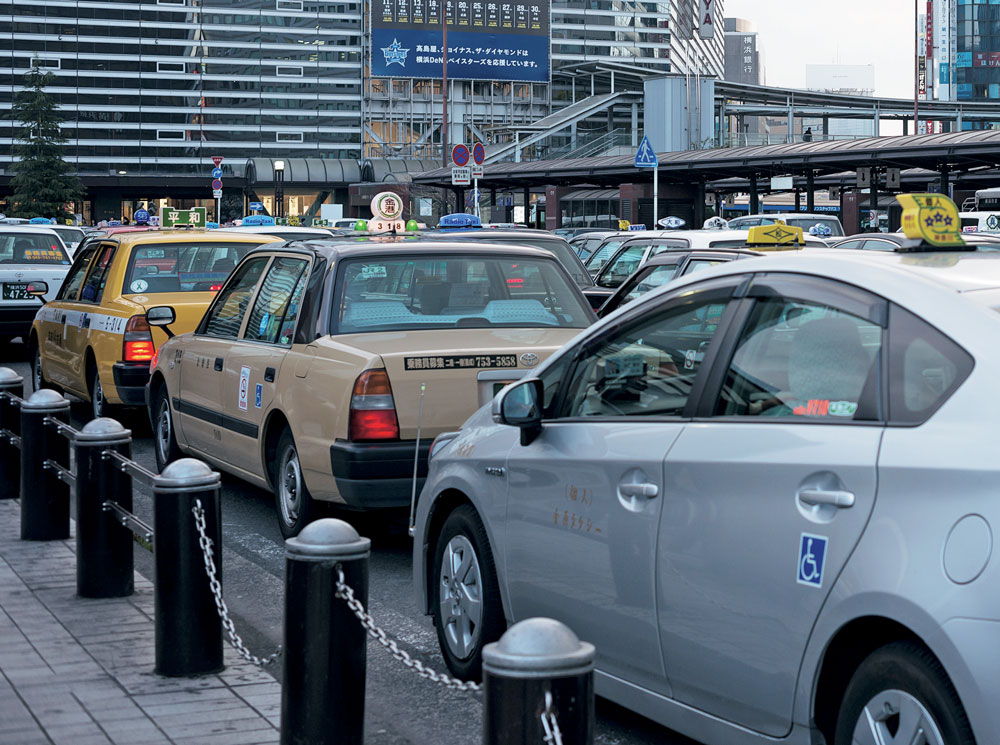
(80,672)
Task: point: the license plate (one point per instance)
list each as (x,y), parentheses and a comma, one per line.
(16,291)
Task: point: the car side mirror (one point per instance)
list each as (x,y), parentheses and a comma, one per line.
(520,406)
(162,316)
(38,289)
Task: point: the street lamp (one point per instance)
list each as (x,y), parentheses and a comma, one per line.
(279,188)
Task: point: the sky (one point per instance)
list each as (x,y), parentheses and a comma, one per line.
(794,33)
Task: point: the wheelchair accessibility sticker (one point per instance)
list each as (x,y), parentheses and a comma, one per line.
(812,556)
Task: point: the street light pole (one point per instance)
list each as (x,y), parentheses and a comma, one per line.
(279,188)
(444,83)
(916,54)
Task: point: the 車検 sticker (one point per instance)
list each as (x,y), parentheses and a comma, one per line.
(373,271)
(244,387)
(812,557)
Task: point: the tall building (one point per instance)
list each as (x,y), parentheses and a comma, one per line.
(744,61)
(853,80)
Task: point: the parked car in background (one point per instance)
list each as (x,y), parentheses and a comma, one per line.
(92,339)
(586,243)
(29,255)
(319,363)
(284,232)
(893,241)
(798,219)
(71,235)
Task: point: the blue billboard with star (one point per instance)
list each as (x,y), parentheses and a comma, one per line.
(486,39)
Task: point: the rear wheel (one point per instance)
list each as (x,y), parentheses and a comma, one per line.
(98,405)
(164,438)
(901,694)
(295,507)
(465,595)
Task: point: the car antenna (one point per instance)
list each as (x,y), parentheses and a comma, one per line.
(416,461)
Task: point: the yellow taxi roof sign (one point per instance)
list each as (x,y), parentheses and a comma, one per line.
(776,237)
(931,218)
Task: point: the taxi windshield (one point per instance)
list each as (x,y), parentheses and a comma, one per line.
(21,247)
(395,294)
(182,267)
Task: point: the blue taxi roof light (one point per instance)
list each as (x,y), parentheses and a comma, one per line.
(39,221)
(459,221)
(261,220)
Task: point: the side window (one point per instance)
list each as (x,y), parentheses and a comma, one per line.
(622,266)
(877,245)
(74,278)
(700,264)
(93,285)
(650,368)
(656,277)
(272,318)
(226,314)
(925,367)
(851,244)
(803,359)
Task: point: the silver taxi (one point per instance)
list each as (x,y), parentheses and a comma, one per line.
(766,492)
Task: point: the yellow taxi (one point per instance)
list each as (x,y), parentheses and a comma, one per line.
(93,341)
(323,370)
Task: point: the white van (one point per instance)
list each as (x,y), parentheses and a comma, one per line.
(980,222)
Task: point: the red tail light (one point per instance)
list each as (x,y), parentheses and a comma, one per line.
(215,288)
(137,343)
(373,410)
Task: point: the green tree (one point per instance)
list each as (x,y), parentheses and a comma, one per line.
(43,183)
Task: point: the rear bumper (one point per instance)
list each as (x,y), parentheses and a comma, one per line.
(372,475)
(15,320)
(130,382)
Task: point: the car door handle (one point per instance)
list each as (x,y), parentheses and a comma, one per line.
(63,318)
(269,375)
(639,490)
(823,496)
(218,364)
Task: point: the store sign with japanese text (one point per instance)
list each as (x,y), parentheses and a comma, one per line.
(487,39)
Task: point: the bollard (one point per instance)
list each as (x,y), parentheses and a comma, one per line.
(188,628)
(538,679)
(10,420)
(323,690)
(104,563)
(44,497)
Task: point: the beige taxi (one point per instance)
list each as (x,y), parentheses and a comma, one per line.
(320,363)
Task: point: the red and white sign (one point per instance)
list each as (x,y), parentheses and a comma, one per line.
(217,159)
(244,387)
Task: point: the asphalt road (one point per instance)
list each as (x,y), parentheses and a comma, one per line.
(400,707)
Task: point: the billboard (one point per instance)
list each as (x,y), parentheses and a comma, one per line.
(487,39)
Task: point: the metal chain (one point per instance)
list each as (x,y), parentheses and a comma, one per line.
(549,723)
(345,593)
(206,546)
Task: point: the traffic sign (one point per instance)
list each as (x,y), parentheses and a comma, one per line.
(477,171)
(195,217)
(217,159)
(460,155)
(461,176)
(216,172)
(217,184)
(474,196)
(645,156)
(505,200)
(478,153)
(216,193)
(256,206)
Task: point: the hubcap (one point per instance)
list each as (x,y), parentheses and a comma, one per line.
(163,430)
(461,598)
(289,486)
(895,717)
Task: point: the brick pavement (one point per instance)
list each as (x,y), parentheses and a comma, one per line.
(80,672)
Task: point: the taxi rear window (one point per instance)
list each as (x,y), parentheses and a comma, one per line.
(395,294)
(182,267)
(31,248)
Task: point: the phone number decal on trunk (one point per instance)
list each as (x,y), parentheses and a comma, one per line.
(453,362)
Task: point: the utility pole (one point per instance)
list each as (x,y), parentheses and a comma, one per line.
(444,83)
(916,54)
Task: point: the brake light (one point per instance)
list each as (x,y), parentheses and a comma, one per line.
(137,342)
(373,410)
(215,288)
(156,356)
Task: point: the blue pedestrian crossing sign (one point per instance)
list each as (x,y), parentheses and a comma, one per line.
(645,156)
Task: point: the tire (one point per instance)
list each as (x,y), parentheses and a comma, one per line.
(164,437)
(99,407)
(295,507)
(465,595)
(899,689)
(38,381)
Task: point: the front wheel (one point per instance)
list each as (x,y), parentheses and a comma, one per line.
(465,595)
(164,437)
(37,376)
(901,694)
(296,508)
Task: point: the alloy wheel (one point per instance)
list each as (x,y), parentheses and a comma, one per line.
(894,717)
(461,599)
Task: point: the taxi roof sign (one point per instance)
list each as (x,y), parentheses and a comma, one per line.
(459,221)
(932,219)
(776,237)
(257,220)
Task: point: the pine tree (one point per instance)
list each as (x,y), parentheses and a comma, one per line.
(43,183)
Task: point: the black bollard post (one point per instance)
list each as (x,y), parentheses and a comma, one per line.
(323,691)
(10,420)
(188,628)
(538,680)
(44,497)
(104,562)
